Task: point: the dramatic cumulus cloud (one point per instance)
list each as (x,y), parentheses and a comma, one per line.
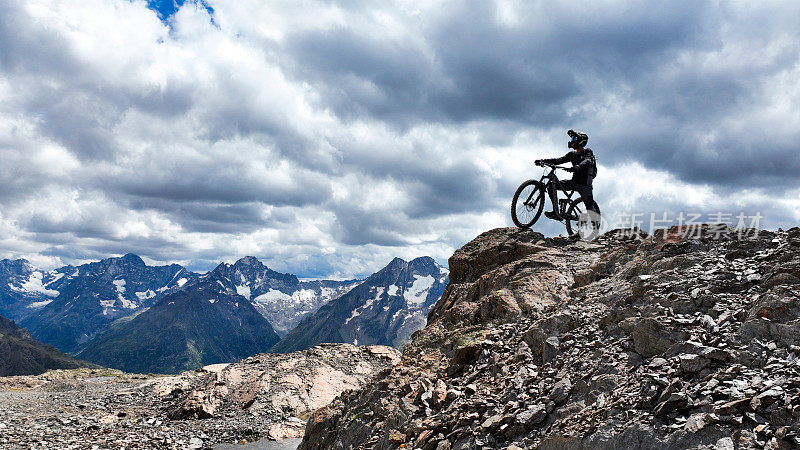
(327,137)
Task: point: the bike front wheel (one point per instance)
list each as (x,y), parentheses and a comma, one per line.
(526,207)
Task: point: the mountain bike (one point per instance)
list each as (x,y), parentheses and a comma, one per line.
(530,197)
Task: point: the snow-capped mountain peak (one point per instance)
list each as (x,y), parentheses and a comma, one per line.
(280,297)
(74,303)
(385,309)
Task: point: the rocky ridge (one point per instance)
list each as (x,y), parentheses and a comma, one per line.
(266,396)
(630,341)
(20,354)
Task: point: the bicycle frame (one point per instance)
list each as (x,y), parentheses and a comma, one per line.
(551,178)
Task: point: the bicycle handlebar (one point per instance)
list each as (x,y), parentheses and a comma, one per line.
(555,166)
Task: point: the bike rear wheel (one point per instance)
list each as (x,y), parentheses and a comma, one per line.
(578,220)
(526,207)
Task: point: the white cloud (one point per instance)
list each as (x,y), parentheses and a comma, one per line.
(329,137)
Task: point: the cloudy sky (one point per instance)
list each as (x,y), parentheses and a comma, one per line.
(327,137)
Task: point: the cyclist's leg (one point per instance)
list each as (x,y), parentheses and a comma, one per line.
(584,192)
(569,185)
(588,199)
(551,190)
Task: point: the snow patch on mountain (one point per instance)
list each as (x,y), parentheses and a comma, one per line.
(39,305)
(146,294)
(393,290)
(271,296)
(107,304)
(243,290)
(34,285)
(367,305)
(418,292)
(56,276)
(444,273)
(120,285)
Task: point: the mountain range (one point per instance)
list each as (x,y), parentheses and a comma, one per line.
(84,300)
(204,324)
(281,298)
(122,313)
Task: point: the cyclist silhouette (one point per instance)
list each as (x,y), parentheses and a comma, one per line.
(584,169)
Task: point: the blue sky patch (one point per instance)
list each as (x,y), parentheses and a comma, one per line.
(166,8)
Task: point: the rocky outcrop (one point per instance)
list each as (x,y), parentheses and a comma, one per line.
(631,341)
(284,387)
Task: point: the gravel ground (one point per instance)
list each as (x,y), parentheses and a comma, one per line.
(86,409)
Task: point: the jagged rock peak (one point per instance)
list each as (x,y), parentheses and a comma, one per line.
(397,262)
(249,261)
(422,260)
(133,259)
(16,265)
(15,261)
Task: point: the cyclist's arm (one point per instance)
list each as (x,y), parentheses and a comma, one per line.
(561,160)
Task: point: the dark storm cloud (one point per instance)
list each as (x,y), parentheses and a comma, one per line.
(156,249)
(211,218)
(461,188)
(465,65)
(97,225)
(203,184)
(356,225)
(477,68)
(206,217)
(30,48)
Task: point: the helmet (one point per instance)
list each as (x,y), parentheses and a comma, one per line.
(578,140)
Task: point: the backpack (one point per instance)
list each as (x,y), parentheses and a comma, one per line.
(590,154)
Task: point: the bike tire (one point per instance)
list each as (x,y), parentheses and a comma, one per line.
(529,198)
(572,217)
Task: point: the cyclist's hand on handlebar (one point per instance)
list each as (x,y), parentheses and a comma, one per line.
(538,162)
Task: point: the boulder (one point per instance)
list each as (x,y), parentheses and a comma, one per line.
(650,336)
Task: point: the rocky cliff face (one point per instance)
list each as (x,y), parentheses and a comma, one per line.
(662,341)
